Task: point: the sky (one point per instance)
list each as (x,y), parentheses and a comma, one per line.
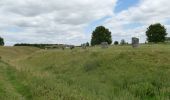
(73,21)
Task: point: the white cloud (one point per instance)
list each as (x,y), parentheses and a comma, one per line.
(145,13)
(58,21)
(50,21)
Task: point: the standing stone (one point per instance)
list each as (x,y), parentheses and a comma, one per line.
(104,45)
(63,47)
(72,47)
(83,46)
(135,42)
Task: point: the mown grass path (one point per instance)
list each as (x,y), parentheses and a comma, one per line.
(11,86)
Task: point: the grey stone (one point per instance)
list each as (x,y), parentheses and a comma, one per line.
(83,46)
(135,42)
(72,47)
(104,45)
(63,47)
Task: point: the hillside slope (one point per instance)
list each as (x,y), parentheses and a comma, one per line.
(11,53)
(116,73)
(10,87)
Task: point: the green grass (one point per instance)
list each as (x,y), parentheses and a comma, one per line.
(116,73)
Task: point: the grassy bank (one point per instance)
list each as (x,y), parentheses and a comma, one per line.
(116,73)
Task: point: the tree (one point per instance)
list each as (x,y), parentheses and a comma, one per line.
(101,34)
(1,41)
(156,33)
(116,43)
(87,44)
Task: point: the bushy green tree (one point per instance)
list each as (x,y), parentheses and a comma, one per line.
(101,34)
(116,43)
(1,41)
(156,33)
(87,44)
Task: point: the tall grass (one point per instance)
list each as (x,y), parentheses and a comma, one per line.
(116,73)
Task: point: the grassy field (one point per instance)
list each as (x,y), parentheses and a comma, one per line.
(116,73)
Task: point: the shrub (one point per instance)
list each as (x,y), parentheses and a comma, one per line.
(116,43)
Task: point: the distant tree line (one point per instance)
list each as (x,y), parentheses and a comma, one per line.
(155,33)
(37,45)
(85,44)
(167,39)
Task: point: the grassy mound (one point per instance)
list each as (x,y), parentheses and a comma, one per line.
(116,73)
(13,53)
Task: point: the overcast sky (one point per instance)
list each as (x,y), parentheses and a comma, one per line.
(72,21)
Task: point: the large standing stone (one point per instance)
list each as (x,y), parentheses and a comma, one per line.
(83,46)
(135,42)
(104,45)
